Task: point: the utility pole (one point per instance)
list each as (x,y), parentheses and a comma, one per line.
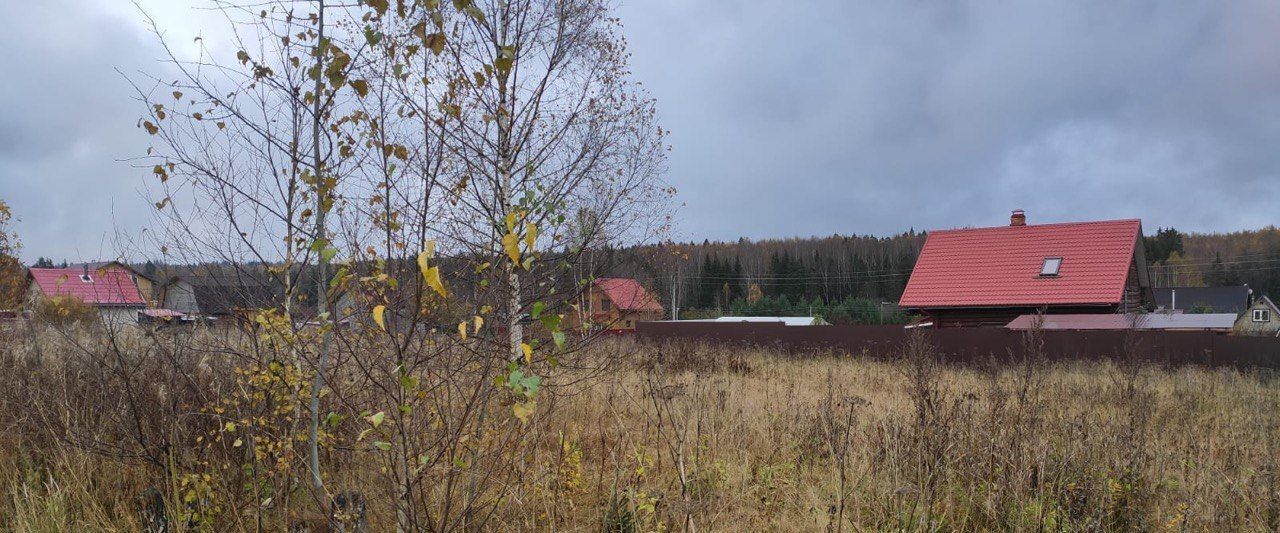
(675,295)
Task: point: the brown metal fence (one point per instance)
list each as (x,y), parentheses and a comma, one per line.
(980,344)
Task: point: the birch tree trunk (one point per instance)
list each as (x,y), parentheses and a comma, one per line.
(322,286)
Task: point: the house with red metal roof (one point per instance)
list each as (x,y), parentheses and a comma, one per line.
(990,276)
(146,283)
(616,304)
(112,291)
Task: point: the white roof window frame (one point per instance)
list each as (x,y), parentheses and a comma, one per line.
(1261,315)
(1051,267)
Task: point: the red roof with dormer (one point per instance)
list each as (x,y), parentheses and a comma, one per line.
(1001,266)
(106,287)
(628,294)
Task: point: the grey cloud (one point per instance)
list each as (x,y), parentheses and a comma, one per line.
(67,123)
(792,118)
(869,117)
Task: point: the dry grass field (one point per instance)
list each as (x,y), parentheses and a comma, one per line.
(686,438)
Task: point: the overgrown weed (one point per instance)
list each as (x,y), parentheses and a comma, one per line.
(676,438)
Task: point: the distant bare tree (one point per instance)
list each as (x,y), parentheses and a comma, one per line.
(248,165)
(553,147)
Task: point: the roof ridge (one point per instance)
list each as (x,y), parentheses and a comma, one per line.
(1046,225)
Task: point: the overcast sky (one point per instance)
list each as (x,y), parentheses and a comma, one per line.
(788,118)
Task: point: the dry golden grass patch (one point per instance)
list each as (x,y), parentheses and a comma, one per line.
(636,438)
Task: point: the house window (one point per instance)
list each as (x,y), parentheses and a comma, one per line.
(1261,315)
(1050,266)
(85,278)
(605,305)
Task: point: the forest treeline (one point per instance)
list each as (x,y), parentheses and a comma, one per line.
(859,278)
(864,275)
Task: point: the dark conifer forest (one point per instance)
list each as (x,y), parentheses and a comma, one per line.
(858,278)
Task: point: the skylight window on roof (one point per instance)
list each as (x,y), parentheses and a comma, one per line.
(1051,266)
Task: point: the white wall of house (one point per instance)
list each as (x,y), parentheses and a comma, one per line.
(117,316)
(180,296)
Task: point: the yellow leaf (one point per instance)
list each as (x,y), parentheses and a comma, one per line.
(528,352)
(523,410)
(422,261)
(462,330)
(432,276)
(479,321)
(511,244)
(511,221)
(530,236)
(378,312)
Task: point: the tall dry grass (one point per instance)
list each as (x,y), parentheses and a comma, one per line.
(688,438)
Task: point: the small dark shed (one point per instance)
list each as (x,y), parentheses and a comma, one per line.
(1234,299)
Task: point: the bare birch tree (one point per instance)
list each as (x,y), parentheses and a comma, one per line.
(452,162)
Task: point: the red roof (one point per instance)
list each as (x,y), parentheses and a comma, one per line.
(1000,266)
(111,286)
(628,294)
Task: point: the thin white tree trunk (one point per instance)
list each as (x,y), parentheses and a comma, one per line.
(322,296)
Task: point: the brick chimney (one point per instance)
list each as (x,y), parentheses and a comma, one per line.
(1018,218)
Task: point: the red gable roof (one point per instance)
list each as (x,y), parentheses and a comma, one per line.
(1000,266)
(628,294)
(110,286)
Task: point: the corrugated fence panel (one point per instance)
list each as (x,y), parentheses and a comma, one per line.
(979,344)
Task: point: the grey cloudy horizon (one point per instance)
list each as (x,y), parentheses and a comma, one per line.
(787,118)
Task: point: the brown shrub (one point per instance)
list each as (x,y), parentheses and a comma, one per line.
(671,440)
(64,310)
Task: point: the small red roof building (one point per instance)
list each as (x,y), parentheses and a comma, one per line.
(989,276)
(615,305)
(628,294)
(99,288)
